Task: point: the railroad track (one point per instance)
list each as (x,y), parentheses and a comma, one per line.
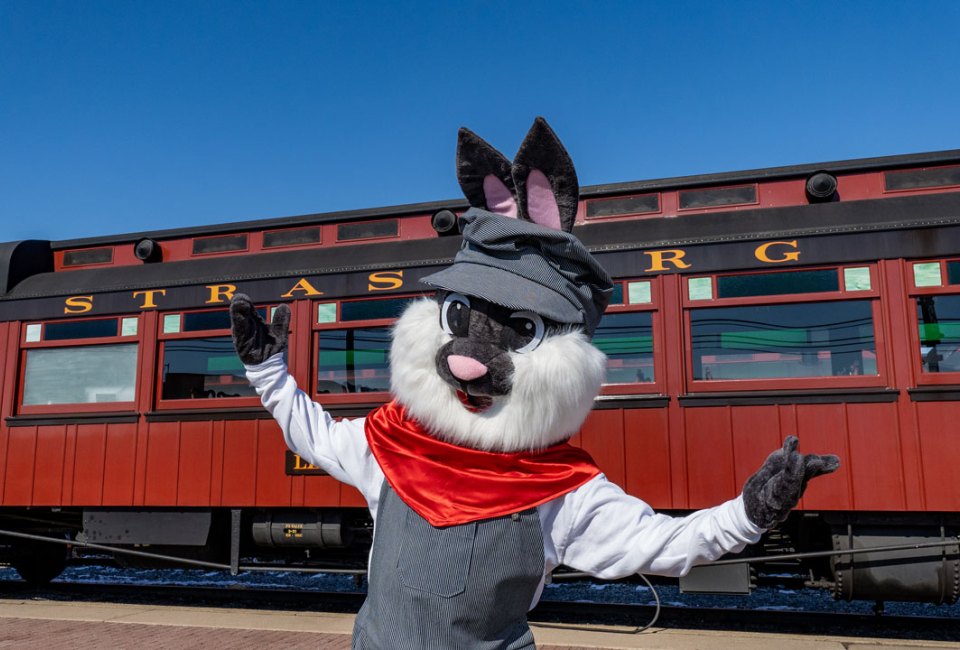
(615,618)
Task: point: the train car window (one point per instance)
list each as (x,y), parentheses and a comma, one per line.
(353,360)
(354,310)
(927,274)
(953,272)
(791,340)
(616,298)
(715,197)
(916,179)
(203,368)
(88,374)
(938,318)
(220,244)
(88,256)
(198,361)
(295,237)
(625,205)
(627,340)
(84,329)
(777,283)
(368,230)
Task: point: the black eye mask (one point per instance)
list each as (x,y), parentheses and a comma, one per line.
(477,361)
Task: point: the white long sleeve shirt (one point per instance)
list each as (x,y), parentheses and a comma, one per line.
(596,528)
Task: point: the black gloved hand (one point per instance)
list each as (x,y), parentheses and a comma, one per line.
(254,340)
(776,488)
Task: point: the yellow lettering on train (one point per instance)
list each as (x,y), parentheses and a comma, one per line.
(304,286)
(300,464)
(659,259)
(761,252)
(220,293)
(78,304)
(385,280)
(149,297)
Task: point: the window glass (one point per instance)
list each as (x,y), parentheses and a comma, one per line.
(616,298)
(201,321)
(203,368)
(953,272)
(83,375)
(372,309)
(773,284)
(822,339)
(354,360)
(939,319)
(80,329)
(627,340)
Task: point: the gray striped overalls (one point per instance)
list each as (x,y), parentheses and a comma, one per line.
(462,587)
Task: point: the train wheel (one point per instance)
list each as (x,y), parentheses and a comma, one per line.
(41,564)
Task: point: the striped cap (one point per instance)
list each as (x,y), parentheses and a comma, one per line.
(525,266)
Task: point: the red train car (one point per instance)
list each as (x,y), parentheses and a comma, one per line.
(821,301)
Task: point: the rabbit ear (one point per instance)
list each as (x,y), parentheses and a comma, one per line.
(545,179)
(484,175)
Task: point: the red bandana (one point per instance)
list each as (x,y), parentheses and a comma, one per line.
(449,485)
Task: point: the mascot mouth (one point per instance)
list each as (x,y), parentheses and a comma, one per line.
(474,403)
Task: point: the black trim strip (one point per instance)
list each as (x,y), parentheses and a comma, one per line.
(935,394)
(118,417)
(755,398)
(202,415)
(606,402)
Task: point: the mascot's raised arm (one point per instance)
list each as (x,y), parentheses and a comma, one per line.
(475,494)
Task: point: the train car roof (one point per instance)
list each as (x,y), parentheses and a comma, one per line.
(592,191)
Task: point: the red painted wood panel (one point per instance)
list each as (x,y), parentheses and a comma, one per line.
(216,463)
(69,463)
(757,432)
(326,491)
(273,485)
(710,476)
(647,452)
(940,450)
(91,441)
(822,429)
(48,473)
(193,475)
(162,464)
(238,487)
(877,474)
(602,437)
(118,468)
(351,498)
(18,482)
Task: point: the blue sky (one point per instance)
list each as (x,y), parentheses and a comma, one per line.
(128,116)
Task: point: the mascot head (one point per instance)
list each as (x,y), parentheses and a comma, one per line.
(501,359)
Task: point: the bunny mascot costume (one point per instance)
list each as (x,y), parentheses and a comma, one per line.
(475,493)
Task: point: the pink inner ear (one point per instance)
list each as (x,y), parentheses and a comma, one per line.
(541,203)
(498,196)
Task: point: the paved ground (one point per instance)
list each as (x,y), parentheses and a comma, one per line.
(47,625)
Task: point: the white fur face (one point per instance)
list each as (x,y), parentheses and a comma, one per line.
(552,387)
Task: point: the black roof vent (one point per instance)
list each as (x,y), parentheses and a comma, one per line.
(821,187)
